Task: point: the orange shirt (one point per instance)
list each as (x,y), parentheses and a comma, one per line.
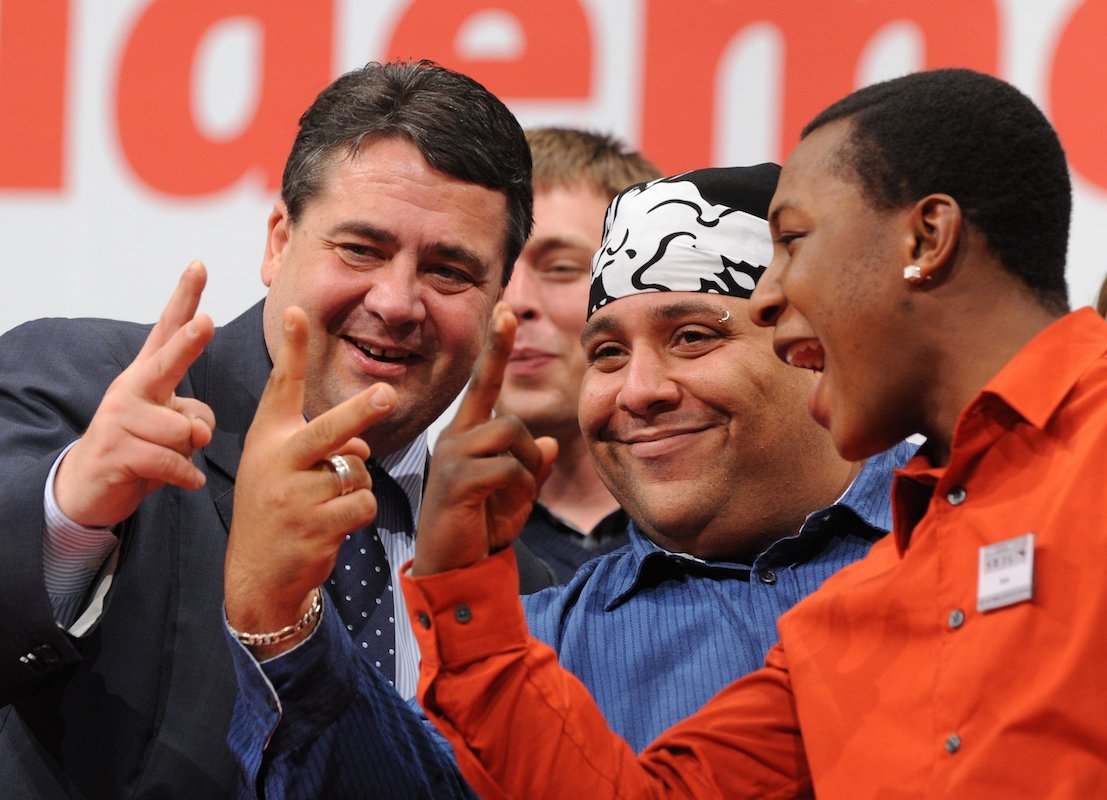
(887,681)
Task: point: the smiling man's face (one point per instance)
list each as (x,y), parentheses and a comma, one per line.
(695,426)
(397,266)
(835,294)
(548,292)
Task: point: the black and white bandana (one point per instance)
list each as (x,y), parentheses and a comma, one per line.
(701,231)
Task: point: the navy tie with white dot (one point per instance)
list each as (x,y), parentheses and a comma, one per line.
(361,584)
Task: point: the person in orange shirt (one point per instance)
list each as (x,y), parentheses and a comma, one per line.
(920,230)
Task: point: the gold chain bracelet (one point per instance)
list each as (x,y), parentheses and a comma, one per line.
(287,632)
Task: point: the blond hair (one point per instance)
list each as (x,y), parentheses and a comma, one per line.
(567,156)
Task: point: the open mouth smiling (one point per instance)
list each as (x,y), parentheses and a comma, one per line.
(806,355)
(383,354)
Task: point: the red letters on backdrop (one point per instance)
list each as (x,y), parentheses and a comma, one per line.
(556,63)
(34,49)
(1077,86)
(822,42)
(683,47)
(156,128)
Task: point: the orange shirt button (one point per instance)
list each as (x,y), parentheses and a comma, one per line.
(956,496)
(956,618)
(953,743)
(462,614)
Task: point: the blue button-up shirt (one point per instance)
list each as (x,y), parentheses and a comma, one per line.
(654,635)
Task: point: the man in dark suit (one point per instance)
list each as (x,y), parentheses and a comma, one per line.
(404,203)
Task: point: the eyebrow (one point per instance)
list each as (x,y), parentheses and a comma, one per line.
(684,308)
(594,327)
(663,312)
(546,243)
(449,252)
(365,231)
(774,214)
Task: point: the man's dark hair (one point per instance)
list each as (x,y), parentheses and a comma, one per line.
(979,140)
(458,126)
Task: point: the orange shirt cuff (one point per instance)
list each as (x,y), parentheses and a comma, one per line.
(466,615)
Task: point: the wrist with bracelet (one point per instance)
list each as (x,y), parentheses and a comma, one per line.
(310,617)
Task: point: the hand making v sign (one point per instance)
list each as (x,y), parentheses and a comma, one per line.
(143,435)
(485,472)
(301,487)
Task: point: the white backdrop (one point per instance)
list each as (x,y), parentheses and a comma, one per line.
(100,238)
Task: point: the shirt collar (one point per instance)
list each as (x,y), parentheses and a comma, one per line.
(1036,381)
(613,524)
(1032,385)
(868,497)
(864,510)
(644,556)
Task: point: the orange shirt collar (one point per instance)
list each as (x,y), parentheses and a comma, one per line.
(1032,385)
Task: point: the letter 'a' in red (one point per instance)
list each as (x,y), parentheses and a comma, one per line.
(157,131)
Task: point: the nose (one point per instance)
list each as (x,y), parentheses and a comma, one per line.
(395,294)
(523,293)
(767,301)
(647,386)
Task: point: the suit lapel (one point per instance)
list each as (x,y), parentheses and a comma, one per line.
(230,377)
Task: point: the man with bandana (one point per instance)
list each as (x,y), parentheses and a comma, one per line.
(740,505)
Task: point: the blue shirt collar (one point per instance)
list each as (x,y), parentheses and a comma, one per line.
(867,500)
(869,496)
(645,557)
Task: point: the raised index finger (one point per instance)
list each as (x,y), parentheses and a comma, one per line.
(157,376)
(178,311)
(283,397)
(488,373)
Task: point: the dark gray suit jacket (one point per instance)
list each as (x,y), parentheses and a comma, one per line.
(140,706)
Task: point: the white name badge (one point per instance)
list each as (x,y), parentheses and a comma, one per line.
(1006,573)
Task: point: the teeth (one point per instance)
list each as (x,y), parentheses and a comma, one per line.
(381,353)
(806,356)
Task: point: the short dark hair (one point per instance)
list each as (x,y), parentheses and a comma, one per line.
(979,140)
(460,128)
(568,156)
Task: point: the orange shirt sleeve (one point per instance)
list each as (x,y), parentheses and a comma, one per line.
(522,726)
